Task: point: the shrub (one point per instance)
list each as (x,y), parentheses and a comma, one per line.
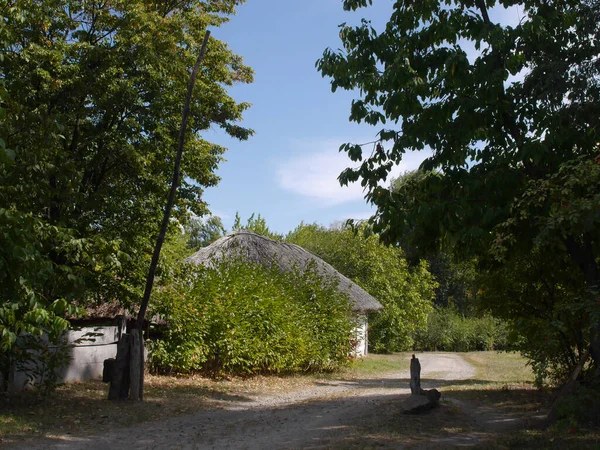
(405,292)
(447,330)
(549,314)
(241,318)
(582,409)
(42,359)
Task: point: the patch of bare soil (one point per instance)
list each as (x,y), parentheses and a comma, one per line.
(362,413)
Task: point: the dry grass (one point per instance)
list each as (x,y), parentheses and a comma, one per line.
(82,407)
(548,439)
(499,377)
(373,366)
(502,383)
(79,408)
(500,367)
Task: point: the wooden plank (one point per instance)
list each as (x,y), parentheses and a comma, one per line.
(119,385)
(121,322)
(135,366)
(415,376)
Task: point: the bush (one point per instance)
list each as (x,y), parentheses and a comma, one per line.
(405,292)
(41,359)
(447,330)
(540,296)
(582,409)
(241,318)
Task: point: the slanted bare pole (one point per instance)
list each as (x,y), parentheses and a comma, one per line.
(165,222)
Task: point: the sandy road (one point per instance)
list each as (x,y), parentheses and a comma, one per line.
(322,416)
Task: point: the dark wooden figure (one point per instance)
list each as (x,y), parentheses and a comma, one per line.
(420,400)
(119,383)
(415,376)
(134,366)
(108,370)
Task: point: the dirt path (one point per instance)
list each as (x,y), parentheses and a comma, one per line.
(329,414)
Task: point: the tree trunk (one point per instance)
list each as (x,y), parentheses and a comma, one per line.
(139,353)
(583,254)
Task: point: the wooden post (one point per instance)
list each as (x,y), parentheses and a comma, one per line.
(121,321)
(119,385)
(134,367)
(415,376)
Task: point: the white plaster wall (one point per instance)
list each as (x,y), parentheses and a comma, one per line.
(87,356)
(362,336)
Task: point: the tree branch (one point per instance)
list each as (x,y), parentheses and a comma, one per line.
(484,13)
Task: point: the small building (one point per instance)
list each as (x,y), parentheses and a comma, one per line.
(286,257)
(88,342)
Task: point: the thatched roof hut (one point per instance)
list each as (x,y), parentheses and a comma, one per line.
(285,257)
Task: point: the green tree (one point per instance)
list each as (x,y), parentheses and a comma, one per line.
(549,311)
(405,293)
(455,276)
(257,225)
(202,232)
(93,109)
(495,141)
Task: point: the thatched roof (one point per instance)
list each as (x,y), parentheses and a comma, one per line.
(267,252)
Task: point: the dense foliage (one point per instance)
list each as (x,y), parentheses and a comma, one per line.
(510,115)
(241,318)
(202,232)
(457,282)
(257,224)
(548,310)
(405,293)
(92,95)
(448,330)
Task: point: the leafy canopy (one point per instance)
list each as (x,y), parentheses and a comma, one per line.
(92,96)
(515,108)
(202,232)
(257,224)
(510,114)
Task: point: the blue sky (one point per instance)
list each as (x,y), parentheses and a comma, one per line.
(288,170)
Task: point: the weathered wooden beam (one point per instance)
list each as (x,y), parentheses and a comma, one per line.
(135,367)
(167,213)
(119,385)
(415,376)
(121,322)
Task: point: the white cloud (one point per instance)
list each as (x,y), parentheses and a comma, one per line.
(314,173)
